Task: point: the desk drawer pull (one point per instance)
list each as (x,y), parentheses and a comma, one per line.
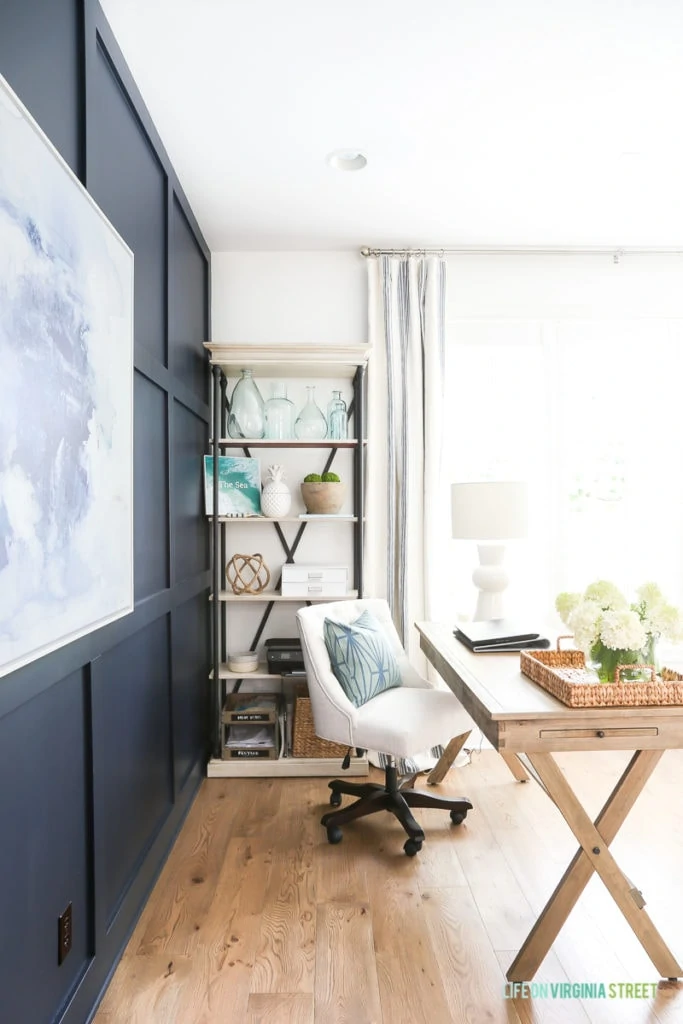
(601,733)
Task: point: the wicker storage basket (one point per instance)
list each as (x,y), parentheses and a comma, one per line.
(305,743)
(564,674)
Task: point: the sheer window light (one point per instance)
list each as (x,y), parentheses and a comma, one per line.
(587,412)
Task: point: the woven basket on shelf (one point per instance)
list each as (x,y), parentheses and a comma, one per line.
(564,674)
(305,743)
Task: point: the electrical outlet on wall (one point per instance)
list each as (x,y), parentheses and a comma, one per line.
(64,934)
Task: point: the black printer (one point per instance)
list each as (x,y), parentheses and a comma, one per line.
(284,655)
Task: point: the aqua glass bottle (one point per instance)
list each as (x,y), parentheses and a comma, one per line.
(337,419)
(279,415)
(246,408)
(311,424)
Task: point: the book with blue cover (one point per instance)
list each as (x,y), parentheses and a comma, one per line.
(239,486)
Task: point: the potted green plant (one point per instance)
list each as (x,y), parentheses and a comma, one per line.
(323,494)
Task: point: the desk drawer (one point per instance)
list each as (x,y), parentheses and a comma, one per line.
(599,734)
(555,734)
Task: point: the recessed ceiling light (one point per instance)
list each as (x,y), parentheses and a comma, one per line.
(347,160)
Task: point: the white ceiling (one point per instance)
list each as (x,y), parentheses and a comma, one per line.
(484,122)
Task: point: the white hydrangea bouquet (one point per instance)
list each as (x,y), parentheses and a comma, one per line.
(612,631)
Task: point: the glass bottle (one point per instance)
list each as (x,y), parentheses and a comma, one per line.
(311,424)
(279,415)
(336,417)
(246,408)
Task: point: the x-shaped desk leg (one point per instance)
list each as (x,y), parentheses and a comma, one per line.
(593,856)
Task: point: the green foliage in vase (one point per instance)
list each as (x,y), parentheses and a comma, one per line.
(606,660)
(330,478)
(313,478)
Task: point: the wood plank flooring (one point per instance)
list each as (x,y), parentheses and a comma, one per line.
(256,919)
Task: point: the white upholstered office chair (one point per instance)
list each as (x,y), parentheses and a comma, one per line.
(381,703)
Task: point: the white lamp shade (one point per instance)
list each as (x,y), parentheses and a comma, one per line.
(490,510)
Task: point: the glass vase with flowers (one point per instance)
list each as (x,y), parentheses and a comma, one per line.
(612,631)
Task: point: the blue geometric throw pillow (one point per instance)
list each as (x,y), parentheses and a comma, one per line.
(361,657)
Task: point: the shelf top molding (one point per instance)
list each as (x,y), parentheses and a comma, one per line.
(289,360)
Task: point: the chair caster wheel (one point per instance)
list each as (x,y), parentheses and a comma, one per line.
(334,834)
(335,799)
(457,817)
(412,846)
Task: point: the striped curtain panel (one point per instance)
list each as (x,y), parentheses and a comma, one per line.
(405,429)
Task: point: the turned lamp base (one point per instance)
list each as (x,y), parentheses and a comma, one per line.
(491,579)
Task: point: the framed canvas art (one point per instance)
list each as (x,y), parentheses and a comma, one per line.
(66,401)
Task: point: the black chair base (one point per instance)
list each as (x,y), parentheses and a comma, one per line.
(373,797)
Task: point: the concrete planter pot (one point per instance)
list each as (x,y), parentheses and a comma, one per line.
(324,498)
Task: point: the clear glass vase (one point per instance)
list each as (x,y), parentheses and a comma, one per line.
(310,424)
(649,652)
(279,415)
(336,417)
(246,417)
(605,660)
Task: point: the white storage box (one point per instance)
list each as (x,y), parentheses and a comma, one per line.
(314,580)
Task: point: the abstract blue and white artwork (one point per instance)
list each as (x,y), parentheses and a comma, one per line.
(66,401)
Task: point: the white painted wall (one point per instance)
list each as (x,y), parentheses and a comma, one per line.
(268,297)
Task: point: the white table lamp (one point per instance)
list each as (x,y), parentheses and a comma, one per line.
(490,511)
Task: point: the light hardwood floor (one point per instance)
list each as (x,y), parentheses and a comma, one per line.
(256,918)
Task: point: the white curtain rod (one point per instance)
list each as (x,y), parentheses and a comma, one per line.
(616,252)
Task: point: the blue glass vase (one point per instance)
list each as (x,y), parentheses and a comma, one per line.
(336,417)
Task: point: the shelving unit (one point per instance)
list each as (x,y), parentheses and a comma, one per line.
(278,361)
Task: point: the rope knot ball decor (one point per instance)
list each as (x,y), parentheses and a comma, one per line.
(247,574)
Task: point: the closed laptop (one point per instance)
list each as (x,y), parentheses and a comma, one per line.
(499,635)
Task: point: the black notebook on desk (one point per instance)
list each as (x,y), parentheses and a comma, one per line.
(498,635)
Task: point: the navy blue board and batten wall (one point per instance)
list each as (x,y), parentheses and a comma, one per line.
(103,742)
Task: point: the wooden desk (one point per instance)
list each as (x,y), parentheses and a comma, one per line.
(518,717)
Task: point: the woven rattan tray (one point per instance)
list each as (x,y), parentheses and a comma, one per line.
(305,743)
(564,674)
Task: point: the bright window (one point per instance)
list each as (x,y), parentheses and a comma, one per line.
(590,413)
